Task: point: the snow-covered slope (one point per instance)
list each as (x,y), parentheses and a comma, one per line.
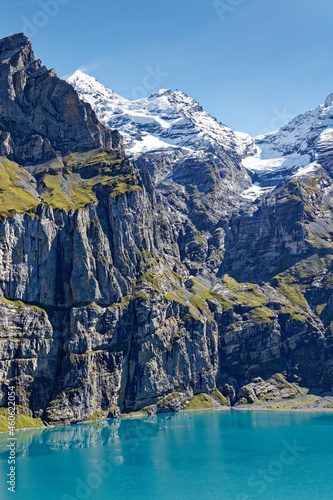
(166,119)
(307,138)
(302,134)
(171,125)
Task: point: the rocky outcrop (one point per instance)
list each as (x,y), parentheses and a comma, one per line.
(276,387)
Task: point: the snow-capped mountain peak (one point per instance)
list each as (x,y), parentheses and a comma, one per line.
(169,120)
(166,119)
(91,90)
(305,139)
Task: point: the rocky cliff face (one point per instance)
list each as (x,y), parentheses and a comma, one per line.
(41,116)
(123,288)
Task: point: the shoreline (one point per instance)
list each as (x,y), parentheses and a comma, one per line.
(248,408)
(284,410)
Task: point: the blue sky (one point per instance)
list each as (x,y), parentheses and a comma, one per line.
(253,64)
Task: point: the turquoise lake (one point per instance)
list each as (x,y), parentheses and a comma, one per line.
(208,455)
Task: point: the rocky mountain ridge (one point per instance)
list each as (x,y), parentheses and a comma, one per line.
(41,116)
(155,285)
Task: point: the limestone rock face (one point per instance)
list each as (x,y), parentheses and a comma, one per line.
(125,288)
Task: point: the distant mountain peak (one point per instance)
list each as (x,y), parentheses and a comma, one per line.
(160,93)
(166,119)
(87,85)
(329,101)
(80,75)
(170,119)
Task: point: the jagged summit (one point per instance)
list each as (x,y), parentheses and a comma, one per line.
(161,92)
(14,45)
(178,98)
(88,85)
(41,115)
(168,119)
(16,54)
(17,40)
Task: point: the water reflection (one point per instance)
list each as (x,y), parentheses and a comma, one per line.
(182,455)
(120,434)
(123,435)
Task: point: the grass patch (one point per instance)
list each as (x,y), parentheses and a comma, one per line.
(169,398)
(309,268)
(21,421)
(244,293)
(123,188)
(136,414)
(110,157)
(96,416)
(176,296)
(200,238)
(19,304)
(201,295)
(67,185)
(142,295)
(199,303)
(261,315)
(294,313)
(180,297)
(55,197)
(199,402)
(82,196)
(319,309)
(219,398)
(124,303)
(152,278)
(327,282)
(293,294)
(14,199)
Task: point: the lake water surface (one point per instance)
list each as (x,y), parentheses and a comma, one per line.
(210,455)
